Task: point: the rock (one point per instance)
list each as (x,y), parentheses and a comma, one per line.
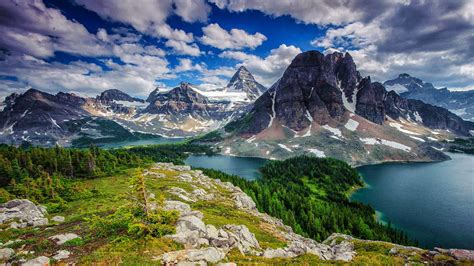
(270,253)
(211,231)
(16,225)
(459,254)
(226,264)
(343,251)
(23,210)
(61,255)
(6,253)
(190,223)
(38,222)
(242,238)
(39,261)
(205,255)
(62,238)
(243,201)
(58,219)
(181,193)
(175,205)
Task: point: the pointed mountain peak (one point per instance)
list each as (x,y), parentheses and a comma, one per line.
(244,81)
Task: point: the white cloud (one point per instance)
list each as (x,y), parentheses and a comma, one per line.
(237,39)
(269,69)
(192,10)
(185,64)
(30,27)
(183,48)
(308,11)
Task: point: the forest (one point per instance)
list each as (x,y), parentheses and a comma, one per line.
(43,174)
(311,195)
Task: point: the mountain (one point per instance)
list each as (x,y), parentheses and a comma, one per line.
(322,105)
(244,81)
(39,117)
(117,95)
(459,102)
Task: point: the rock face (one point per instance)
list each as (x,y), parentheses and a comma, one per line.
(38,117)
(244,81)
(317,87)
(23,210)
(460,103)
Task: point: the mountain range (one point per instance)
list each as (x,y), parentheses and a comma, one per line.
(459,102)
(321,105)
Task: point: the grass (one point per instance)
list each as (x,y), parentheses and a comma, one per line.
(110,193)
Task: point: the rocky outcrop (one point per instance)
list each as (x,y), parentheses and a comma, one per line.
(117,95)
(206,242)
(39,261)
(23,211)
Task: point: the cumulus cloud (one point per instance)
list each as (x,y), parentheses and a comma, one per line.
(149,17)
(29,27)
(431,40)
(269,69)
(336,12)
(236,39)
(186,64)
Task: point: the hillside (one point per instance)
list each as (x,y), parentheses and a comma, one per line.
(196,219)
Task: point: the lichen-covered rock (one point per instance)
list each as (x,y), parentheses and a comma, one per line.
(58,219)
(24,211)
(242,238)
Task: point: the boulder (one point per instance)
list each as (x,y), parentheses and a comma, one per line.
(39,261)
(61,255)
(211,231)
(242,238)
(243,201)
(58,219)
(174,205)
(205,255)
(63,238)
(6,253)
(24,211)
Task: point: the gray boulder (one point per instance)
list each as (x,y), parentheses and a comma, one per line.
(205,255)
(6,253)
(61,255)
(39,261)
(174,205)
(58,219)
(24,211)
(63,238)
(243,201)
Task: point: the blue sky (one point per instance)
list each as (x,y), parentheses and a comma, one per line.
(87,46)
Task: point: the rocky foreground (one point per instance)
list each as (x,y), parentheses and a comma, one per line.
(218,224)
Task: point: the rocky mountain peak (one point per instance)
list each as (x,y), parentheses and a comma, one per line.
(244,81)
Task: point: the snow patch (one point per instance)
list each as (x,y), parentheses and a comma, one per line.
(418,117)
(308,116)
(399,128)
(417,138)
(273,109)
(317,152)
(54,122)
(392,144)
(351,125)
(397,88)
(334,131)
(285,147)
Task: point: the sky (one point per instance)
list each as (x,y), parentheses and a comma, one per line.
(88,46)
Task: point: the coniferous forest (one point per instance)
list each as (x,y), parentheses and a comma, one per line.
(311,195)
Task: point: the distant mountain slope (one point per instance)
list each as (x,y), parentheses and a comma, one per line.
(322,105)
(459,102)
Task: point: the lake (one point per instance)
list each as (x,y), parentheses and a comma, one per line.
(246,167)
(432,202)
